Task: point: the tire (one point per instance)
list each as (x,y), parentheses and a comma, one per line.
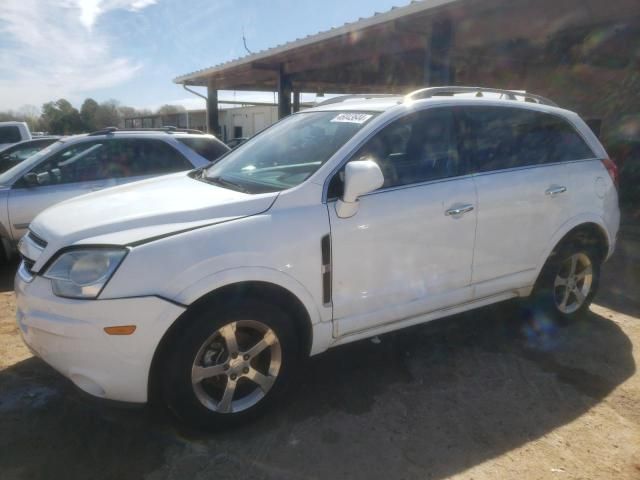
(568,281)
(230,365)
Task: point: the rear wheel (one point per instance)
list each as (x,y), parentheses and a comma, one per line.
(230,365)
(569,281)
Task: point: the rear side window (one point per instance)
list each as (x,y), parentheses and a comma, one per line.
(205,147)
(497,138)
(10,134)
(148,157)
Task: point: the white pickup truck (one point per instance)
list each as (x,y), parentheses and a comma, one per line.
(13,132)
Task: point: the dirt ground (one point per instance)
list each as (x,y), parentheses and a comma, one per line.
(492,394)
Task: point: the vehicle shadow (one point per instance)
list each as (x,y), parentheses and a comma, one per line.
(425,402)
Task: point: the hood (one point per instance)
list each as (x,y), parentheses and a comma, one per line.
(143,210)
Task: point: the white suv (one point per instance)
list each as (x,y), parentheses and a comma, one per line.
(206,289)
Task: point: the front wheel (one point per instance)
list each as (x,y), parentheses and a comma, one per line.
(569,281)
(230,364)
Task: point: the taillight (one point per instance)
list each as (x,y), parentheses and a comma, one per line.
(612,168)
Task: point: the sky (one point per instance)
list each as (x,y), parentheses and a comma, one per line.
(131,50)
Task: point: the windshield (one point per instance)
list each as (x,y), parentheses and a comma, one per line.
(288,153)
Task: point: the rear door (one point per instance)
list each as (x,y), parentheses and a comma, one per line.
(518,159)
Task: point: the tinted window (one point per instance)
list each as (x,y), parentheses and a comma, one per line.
(148,157)
(81,162)
(208,148)
(417,148)
(496,138)
(117,158)
(10,134)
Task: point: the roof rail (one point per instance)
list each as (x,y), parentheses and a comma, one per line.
(344,98)
(431,92)
(166,129)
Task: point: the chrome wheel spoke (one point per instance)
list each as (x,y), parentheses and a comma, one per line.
(574,263)
(565,298)
(579,296)
(263,381)
(560,281)
(224,406)
(228,332)
(199,373)
(265,342)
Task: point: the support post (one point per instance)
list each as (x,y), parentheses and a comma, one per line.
(284,94)
(296,101)
(213,120)
(438,69)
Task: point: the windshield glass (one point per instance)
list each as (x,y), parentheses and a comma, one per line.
(288,153)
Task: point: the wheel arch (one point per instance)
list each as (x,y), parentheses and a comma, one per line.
(233,292)
(588,231)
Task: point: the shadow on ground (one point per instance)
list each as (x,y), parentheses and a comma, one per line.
(426,402)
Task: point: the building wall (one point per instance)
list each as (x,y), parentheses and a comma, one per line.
(234,122)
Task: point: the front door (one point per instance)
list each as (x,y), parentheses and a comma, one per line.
(409,248)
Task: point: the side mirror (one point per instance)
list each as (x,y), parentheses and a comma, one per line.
(31,179)
(34,179)
(360,177)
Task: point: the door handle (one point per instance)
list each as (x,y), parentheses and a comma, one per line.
(455,211)
(556,190)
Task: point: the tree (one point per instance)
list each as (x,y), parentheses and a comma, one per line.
(88,113)
(108,114)
(61,118)
(170,109)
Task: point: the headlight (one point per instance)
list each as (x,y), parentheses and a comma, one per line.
(83,273)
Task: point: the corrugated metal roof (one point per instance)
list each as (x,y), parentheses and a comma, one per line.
(349,27)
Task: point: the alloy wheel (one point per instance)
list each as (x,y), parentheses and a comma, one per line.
(236,366)
(573,283)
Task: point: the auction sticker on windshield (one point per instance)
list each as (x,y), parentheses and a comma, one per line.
(352,117)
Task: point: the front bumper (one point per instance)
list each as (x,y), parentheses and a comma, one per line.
(69,335)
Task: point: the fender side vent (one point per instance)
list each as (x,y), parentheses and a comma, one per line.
(325,246)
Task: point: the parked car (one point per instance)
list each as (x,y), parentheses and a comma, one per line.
(85,163)
(206,289)
(13,132)
(13,155)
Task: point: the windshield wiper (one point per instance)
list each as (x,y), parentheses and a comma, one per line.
(225,183)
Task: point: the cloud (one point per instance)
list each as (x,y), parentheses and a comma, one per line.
(50,50)
(90,10)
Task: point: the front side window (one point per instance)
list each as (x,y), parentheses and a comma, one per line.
(417,148)
(287,153)
(113,158)
(81,162)
(497,138)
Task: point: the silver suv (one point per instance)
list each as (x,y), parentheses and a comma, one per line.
(84,163)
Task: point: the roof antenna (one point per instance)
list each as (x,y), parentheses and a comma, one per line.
(244,40)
